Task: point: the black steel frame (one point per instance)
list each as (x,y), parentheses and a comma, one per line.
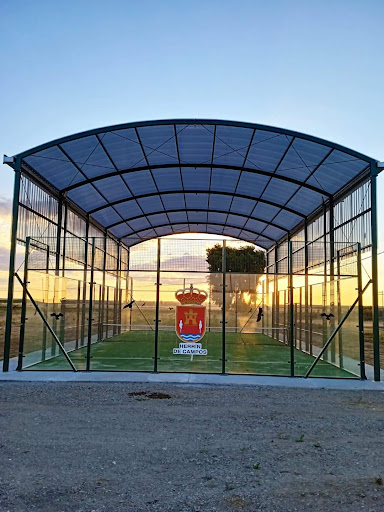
(369,174)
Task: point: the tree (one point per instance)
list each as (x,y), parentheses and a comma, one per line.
(243,267)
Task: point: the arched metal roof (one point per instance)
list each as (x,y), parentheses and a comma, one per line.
(154,178)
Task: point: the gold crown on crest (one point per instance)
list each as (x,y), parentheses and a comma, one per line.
(191,295)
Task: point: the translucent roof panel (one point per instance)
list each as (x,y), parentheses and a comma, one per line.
(151,178)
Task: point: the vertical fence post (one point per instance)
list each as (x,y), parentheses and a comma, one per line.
(262,303)
(306,286)
(223,320)
(310,320)
(23,306)
(78,314)
(209,304)
(156,356)
(325,291)
(11,271)
(57,271)
(85,273)
(119,294)
(102,313)
(285,315)
(332,272)
(90,306)
(117,328)
(375,276)
(64,250)
(108,315)
(361,312)
(130,309)
(236,312)
(274,294)
(339,311)
(63,300)
(99,313)
(291,310)
(300,316)
(58,235)
(45,310)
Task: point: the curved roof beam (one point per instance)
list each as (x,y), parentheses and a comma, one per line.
(192,121)
(200,210)
(142,240)
(201,166)
(194,191)
(128,235)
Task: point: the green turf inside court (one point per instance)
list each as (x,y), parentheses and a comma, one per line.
(254,353)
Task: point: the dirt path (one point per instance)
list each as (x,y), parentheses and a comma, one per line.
(111,447)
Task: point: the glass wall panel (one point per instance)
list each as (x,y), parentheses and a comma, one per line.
(329,304)
(190,328)
(59,299)
(128,332)
(256,332)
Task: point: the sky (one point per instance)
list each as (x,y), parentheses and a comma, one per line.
(310,66)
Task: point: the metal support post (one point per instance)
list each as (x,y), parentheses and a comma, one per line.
(157,317)
(23,306)
(274,295)
(57,269)
(223,319)
(332,271)
(306,286)
(361,313)
(325,291)
(85,273)
(262,304)
(118,295)
(301,317)
(310,320)
(102,313)
(285,316)
(46,299)
(209,304)
(130,309)
(375,276)
(107,317)
(11,271)
(339,310)
(58,235)
(291,309)
(78,313)
(90,307)
(236,312)
(64,250)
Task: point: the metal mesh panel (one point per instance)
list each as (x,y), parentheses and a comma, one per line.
(184,255)
(143,256)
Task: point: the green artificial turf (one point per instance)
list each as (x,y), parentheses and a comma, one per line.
(245,354)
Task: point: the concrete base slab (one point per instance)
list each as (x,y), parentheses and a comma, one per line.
(190,379)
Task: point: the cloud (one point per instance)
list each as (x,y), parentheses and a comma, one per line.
(5,207)
(4,258)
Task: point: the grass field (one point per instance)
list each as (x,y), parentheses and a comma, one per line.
(245,354)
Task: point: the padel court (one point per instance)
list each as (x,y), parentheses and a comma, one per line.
(191,245)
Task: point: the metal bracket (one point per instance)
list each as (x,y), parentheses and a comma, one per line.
(9,159)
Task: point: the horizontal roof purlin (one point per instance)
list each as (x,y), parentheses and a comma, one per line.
(251,180)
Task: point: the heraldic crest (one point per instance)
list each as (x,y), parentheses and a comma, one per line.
(190,315)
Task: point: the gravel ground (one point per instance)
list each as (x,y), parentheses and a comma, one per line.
(84,447)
